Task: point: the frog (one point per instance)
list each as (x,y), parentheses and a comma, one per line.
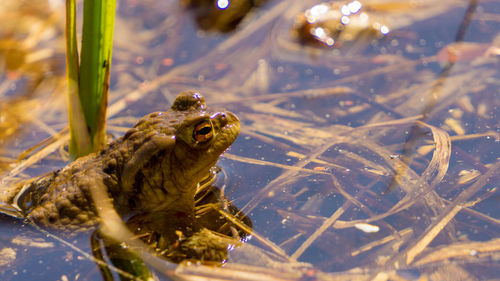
(151,174)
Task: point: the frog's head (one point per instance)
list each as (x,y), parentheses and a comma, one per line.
(174,150)
(202,135)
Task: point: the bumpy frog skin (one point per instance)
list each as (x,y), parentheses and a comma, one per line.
(154,168)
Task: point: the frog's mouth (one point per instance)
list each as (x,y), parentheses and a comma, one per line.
(227,126)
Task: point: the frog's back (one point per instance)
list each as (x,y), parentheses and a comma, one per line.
(62,198)
(155,166)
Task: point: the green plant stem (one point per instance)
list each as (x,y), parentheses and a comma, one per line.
(80,143)
(97,43)
(88,115)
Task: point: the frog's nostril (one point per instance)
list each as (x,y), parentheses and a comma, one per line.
(223,121)
(223,118)
(220,116)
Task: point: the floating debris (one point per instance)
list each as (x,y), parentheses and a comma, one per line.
(368,228)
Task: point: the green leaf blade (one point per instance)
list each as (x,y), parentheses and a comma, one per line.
(80,143)
(97,44)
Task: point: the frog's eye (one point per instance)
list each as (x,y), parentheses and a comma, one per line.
(203,131)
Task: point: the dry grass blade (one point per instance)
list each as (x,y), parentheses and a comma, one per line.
(258,236)
(492,134)
(308,93)
(326,224)
(463,250)
(287,174)
(234,272)
(83,253)
(449,213)
(431,234)
(42,153)
(441,157)
(417,186)
(113,226)
(413,184)
(403,233)
(271,164)
(438,165)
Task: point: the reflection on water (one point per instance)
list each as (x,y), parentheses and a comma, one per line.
(323,133)
(353,22)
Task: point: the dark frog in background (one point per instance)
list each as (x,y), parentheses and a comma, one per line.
(151,174)
(221,15)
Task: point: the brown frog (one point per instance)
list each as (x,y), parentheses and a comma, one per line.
(151,173)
